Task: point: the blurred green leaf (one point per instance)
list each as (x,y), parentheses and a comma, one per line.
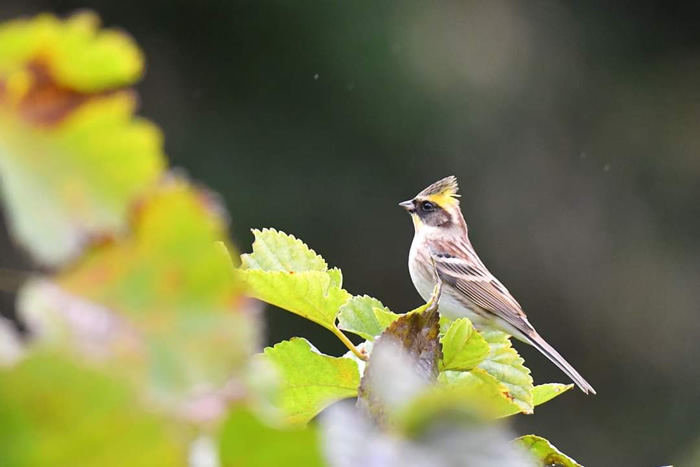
(474,394)
(170,264)
(71,163)
(284,272)
(55,412)
(310,380)
(176,285)
(76,53)
(246,442)
(505,364)
(463,348)
(365,316)
(546,454)
(76,179)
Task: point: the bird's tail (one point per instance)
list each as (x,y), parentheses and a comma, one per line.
(540,344)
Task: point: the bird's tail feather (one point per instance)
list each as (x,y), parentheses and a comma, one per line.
(548,351)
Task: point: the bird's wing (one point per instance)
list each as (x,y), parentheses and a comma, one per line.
(463,270)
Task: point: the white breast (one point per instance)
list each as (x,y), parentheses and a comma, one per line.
(424,282)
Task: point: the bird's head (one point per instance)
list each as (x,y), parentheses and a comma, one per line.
(435,206)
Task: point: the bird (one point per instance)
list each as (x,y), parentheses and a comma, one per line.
(441,250)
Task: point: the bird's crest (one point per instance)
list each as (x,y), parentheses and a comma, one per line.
(443,192)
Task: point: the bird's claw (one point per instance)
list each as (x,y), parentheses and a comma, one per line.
(437,291)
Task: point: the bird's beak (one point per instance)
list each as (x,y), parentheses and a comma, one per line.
(407,205)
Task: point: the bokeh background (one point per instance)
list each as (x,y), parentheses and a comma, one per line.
(573,128)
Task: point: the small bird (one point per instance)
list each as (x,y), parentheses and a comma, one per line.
(441,245)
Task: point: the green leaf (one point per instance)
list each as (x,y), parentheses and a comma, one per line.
(463,348)
(310,380)
(475,394)
(284,272)
(546,454)
(171,263)
(247,442)
(73,158)
(310,294)
(505,364)
(76,53)
(175,285)
(77,179)
(365,316)
(540,394)
(55,412)
(278,251)
(546,392)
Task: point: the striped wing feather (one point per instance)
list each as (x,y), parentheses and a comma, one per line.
(480,288)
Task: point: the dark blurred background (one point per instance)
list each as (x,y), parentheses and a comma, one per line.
(573,128)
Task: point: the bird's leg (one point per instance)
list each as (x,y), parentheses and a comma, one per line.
(437,291)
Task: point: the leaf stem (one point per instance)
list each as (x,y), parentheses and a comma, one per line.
(348,343)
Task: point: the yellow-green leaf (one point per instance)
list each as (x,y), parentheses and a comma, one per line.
(73,159)
(55,412)
(175,284)
(475,394)
(245,441)
(309,380)
(278,251)
(505,364)
(75,52)
(545,453)
(540,394)
(284,272)
(463,348)
(76,179)
(546,392)
(310,294)
(365,316)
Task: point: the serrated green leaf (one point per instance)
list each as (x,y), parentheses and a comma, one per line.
(278,251)
(336,276)
(365,316)
(309,294)
(463,348)
(310,380)
(247,442)
(545,453)
(505,364)
(56,412)
(284,272)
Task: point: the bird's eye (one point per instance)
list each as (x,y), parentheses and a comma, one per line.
(427,206)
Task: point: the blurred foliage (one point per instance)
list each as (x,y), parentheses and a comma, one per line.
(54,411)
(247,442)
(69,144)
